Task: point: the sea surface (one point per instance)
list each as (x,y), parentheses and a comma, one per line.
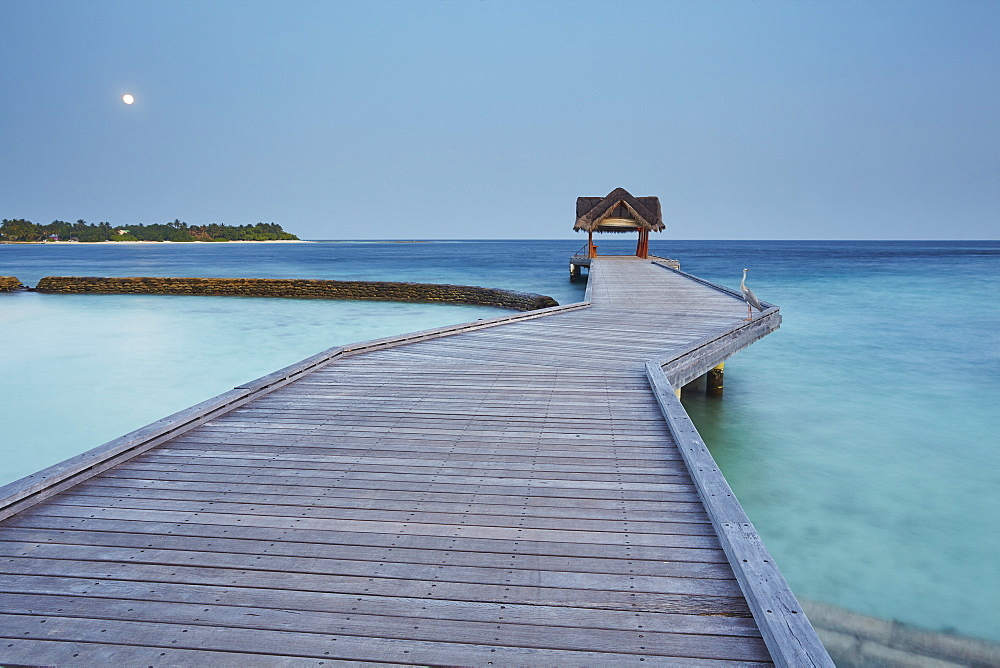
(861,437)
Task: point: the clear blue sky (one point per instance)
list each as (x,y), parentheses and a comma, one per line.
(756,119)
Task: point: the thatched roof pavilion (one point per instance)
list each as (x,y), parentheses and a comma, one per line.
(619,212)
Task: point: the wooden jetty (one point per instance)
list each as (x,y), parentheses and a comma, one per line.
(526,490)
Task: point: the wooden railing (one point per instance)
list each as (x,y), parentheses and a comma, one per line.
(786,630)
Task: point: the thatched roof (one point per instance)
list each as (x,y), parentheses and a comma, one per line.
(618,212)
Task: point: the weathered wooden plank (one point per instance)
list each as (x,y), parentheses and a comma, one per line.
(273,483)
(704,563)
(574,446)
(403,625)
(681,577)
(25,650)
(465,450)
(564,449)
(93,494)
(484,425)
(486,433)
(515,412)
(555,506)
(429,455)
(306,601)
(330,646)
(336,477)
(360,410)
(513,466)
(704,549)
(377,584)
(686,525)
(678,535)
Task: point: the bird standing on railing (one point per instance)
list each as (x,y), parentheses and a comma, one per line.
(749,297)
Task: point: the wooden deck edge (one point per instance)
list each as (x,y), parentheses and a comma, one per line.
(36,487)
(715,286)
(684,366)
(786,630)
(31,489)
(588,294)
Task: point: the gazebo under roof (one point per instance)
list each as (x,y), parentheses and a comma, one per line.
(619,212)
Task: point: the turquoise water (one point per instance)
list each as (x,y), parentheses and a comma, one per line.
(861,437)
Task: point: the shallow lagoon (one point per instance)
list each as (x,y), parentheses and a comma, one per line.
(861,437)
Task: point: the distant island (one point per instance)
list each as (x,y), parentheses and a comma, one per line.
(25,231)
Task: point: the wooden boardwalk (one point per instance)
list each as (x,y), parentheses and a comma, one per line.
(508,493)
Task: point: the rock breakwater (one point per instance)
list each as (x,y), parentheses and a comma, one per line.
(8,283)
(298,289)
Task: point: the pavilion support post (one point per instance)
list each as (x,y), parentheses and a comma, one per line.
(591,248)
(713,380)
(642,248)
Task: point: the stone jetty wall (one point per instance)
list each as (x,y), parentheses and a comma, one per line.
(8,283)
(858,640)
(298,288)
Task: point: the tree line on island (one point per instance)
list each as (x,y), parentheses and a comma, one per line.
(58,230)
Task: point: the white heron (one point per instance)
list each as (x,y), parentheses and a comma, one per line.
(749,297)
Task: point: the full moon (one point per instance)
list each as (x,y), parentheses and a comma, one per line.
(127,98)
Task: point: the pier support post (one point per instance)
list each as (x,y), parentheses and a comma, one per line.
(713,380)
(696,386)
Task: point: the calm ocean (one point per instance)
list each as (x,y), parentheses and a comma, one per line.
(862,437)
